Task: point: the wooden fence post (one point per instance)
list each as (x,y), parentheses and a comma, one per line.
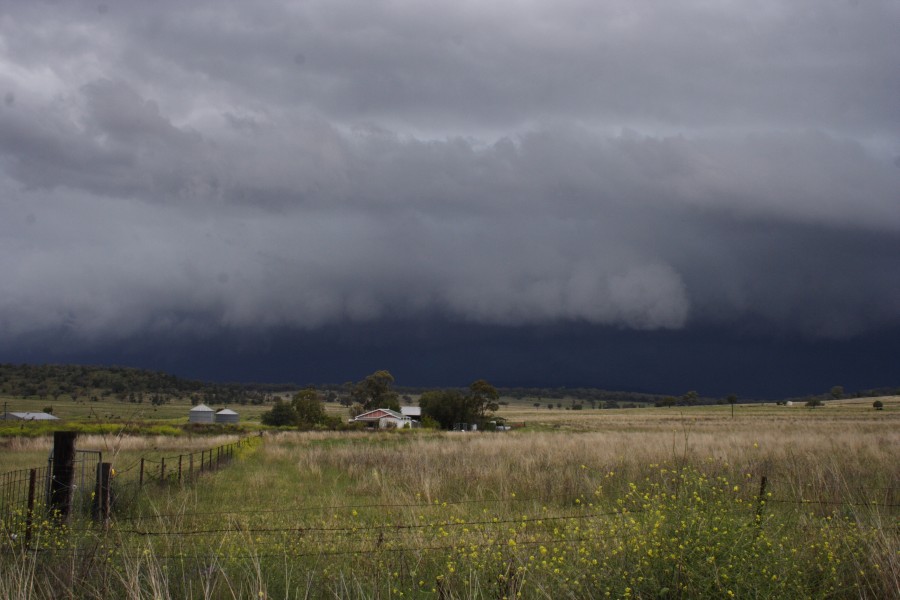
(29,516)
(102,493)
(141,475)
(63,475)
(162,469)
(179,468)
(761,499)
(191,466)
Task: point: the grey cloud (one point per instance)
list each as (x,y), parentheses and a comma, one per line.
(438,66)
(597,163)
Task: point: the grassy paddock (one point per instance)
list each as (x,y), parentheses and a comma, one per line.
(654,503)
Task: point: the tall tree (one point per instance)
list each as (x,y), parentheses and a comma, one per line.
(375,392)
(449,407)
(308,407)
(482,400)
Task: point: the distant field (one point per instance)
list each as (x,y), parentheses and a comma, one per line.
(515,409)
(111,410)
(639,503)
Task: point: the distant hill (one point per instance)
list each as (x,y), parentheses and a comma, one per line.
(55,382)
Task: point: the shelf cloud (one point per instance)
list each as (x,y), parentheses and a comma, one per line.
(186,169)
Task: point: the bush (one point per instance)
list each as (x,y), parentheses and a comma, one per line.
(280,415)
(878,405)
(429,423)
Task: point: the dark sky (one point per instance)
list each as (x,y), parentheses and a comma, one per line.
(627,194)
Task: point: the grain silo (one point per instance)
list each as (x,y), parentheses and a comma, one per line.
(201,414)
(226,415)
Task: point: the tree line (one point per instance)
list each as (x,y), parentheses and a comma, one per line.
(440,408)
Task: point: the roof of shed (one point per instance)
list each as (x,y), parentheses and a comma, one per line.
(378,413)
(34,416)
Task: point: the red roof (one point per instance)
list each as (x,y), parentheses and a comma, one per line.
(378,414)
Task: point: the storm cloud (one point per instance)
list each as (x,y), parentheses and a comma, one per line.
(645,166)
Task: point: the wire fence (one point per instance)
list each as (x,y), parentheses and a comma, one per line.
(25,494)
(297,534)
(179,468)
(327,529)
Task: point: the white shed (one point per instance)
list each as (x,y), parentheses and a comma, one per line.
(201,414)
(226,415)
(413,412)
(30,416)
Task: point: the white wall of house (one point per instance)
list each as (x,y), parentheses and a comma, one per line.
(387,422)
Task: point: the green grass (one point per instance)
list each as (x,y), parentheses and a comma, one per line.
(653,503)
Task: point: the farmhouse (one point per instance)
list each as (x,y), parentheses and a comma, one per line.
(385,418)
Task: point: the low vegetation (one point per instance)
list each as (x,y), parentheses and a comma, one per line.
(656,503)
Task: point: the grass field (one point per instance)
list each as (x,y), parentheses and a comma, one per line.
(639,503)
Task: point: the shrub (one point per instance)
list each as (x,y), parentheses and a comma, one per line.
(280,415)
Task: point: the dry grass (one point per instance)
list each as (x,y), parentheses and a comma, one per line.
(831,457)
(351,514)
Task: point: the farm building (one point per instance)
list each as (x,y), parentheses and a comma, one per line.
(29,416)
(384,418)
(413,412)
(201,414)
(226,415)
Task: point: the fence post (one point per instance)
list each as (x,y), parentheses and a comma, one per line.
(162,469)
(191,466)
(761,499)
(141,476)
(29,515)
(63,474)
(102,493)
(179,468)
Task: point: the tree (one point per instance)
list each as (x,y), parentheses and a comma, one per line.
(813,402)
(732,400)
(837,392)
(308,407)
(667,401)
(878,405)
(481,401)
(281,414)
(443,406)
(449,407)
(375,392)
(690,398)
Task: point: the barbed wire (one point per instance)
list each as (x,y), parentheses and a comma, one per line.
(389,527)
(335,507)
